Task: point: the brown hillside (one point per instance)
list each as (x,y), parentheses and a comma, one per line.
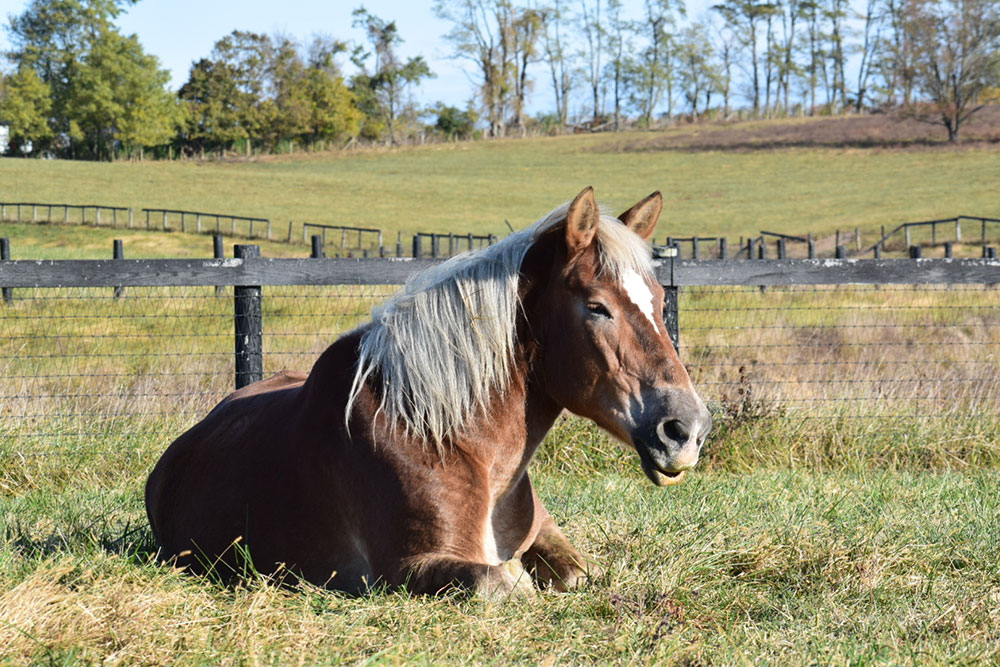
(879,131)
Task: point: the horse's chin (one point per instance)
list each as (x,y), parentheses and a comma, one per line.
(655,474)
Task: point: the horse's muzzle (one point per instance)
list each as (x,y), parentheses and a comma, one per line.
(671,447)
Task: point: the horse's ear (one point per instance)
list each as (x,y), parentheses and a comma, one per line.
(642,217)
(581,221)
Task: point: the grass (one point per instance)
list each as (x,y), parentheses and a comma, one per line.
(474,187)
(771,566)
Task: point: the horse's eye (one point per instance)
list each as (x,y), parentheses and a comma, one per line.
(599,309)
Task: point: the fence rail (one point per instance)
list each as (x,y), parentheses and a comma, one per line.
(344,230)
(12,212)
(199,217)
(394,271)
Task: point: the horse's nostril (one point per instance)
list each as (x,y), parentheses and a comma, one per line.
(675,430)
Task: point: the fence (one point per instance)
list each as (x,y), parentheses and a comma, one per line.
(355,232)
(455,243)
(909,347)
(17,212)
(238,225)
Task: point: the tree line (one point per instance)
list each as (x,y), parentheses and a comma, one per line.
(76,87)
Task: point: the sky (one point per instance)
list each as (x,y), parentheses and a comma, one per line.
(180,32)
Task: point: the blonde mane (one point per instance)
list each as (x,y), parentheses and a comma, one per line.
(445,341)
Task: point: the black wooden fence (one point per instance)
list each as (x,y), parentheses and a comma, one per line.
(248,272)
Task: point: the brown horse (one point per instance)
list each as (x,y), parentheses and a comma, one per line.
(401,460)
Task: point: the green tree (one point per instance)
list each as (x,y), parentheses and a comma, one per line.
(121,98)
(454,123)
(104,89)
(334,115)
(213,107)
(382,88)
(25,103)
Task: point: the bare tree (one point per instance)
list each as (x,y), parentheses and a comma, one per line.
(554,48)
(619,46)
(871,45)
(956,51)
(594,35)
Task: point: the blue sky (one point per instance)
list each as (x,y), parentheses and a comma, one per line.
(179,32)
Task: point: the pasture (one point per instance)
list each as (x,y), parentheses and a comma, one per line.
(796,540)
(463,188)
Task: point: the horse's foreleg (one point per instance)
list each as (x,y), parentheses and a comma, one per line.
(554,562)
(431,575)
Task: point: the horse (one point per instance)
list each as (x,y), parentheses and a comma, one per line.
(401,459)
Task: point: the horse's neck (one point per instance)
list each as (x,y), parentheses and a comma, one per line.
(515,423)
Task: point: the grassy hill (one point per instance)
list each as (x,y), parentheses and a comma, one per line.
(733,180)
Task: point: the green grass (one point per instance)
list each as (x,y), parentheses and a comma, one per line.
(474,187)
(769,566)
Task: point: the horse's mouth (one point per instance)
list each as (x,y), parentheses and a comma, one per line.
(655,474)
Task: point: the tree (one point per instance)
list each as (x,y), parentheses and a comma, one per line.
(956,58)
(560,65)
(25,104)
(90,70)
(652,72)
(454,123)
(698,74)
(592,27)
(213,104)
(485,32)
(246,57)
(120,97)
(744,17)
(619,46)
(333,113)
(381,90)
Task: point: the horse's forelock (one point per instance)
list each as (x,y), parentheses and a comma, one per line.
(445,341)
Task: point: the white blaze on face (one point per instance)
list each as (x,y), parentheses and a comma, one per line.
(637,289)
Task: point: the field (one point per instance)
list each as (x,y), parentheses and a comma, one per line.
(732,186)
(807,535)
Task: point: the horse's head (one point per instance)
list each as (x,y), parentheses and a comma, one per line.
(605,353)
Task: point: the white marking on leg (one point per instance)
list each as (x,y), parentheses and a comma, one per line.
(640,294)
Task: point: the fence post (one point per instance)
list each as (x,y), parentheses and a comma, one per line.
(906,230)
(948,253)
(812,248)
(399,244)
(118,252)
(722,248)
(671,315)
(131,217)
(762,249)
(435,245)
(781,249)
(695,248)
(958,230)
(218,253)
(317,247)
(841,252)
(989,252)
(248,325)
(416,246)
(916,252)
(878,251)
(8,293)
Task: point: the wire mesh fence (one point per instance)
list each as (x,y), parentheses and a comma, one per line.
(82,371)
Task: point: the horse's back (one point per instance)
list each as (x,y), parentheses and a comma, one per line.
(245,459)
